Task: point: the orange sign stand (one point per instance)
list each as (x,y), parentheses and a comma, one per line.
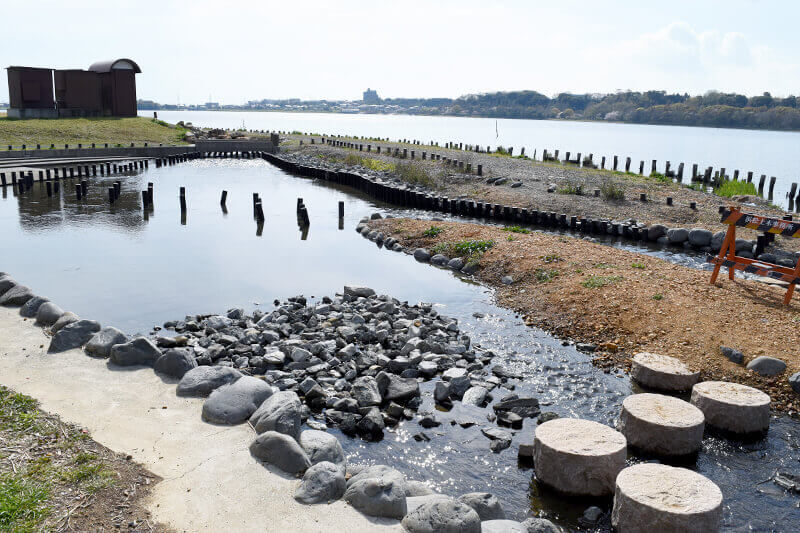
(727,257)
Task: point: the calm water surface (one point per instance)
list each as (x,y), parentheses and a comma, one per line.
(773,153)
(134,271)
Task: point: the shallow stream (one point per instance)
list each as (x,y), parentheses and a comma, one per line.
(118,266)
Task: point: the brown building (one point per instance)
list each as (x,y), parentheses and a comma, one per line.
(107,89)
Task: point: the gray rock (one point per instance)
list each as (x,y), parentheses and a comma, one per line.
(507,280)
(396,389)
(73,335)
(31,307)
(677,235)
(456,263)
(280,450)
(16,296)
(365,391)
(352,292)
(280,412)
(700,237)
(591,516)
(524,407)
(323,447)
(235,402)
(503,526)
(439,260)
(442,516)
(323,482)
(101,342)
(470,268)
(655,231)
(422,255)
(475,396)
(6,283)
(417,488)
(413,502)
(48,314)
(441,392)
(459,386)
(176,362)
(377,471)
(733,354)
(767,366)
(485,504)
(540,525)
(203,380)
(64,320)
(794,382)
(382,495)
(139,351)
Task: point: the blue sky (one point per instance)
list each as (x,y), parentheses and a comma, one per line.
(233,51)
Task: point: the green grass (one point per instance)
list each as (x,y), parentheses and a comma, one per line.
(17,411)
(658,297)
(571,188)
(23,503)
(641,266)
(543,275)
(471,247)
(657,176)
(612,191)
(595,282)
(736,188)
(72,131)
(516,229)
(413,174)
(551,258)
(433,231)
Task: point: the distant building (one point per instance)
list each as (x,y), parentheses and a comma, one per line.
(371,97)
(108,88)
(212,105)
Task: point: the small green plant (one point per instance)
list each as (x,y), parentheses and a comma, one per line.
(543,275)
(433,231)
(595,282)
(413,174)
(657,176)
(516,229)
(658,297)
(612,191)
(442,248)
(501,151)
(640,266)
(472,247)
(571,188)
(603,265)
(550,258)
(736,188)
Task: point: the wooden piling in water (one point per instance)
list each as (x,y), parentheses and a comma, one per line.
(223,198)
(341,209)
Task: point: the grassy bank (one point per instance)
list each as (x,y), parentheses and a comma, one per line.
(623,302)
(54,477)
(86,131)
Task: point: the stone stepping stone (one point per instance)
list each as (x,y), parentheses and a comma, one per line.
(662,372)
(655,497)
(732,407)
(578,457)
(662,425)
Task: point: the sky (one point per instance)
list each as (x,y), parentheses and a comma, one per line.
(195,51)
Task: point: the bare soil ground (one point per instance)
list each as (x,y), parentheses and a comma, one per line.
(537,177)
(626,302)
(54,477)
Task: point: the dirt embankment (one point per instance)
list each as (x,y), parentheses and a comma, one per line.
(533,180)
(626,303)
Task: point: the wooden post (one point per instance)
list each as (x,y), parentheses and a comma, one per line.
(653,167)
(183,199)
(603,163)
(694,172)
(736,175)
(341,209)
(78,192)
(627,164)
(480,170)
(615,163)
(49,188)
(669,200)
(771,186)
(680,173)
(641,168)
(224,198)
(761,184)
(750,177)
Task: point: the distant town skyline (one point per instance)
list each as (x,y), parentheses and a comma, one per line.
(230,53)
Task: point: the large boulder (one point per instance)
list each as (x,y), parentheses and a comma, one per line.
(281,451)
(64,320)
(323,482)
(422,255)
(73,335)
(540,525)
(393,388)
(280,412)
(700,237)
(655,231)
(475,395)
(485,504)
(48,314)
(351,292)
(6,283)
(235,402)
(381,495)
(139,351)
(677,235)
(443,516)
(16,296)
(365,391)
(101,342)
(203,380)
(767,366)
(175,363)
(503,526)
(321,446)
(31,307)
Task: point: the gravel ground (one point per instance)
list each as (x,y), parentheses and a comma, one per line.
(624,303)
(532,179)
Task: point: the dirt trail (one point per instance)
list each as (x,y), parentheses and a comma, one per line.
(210,481)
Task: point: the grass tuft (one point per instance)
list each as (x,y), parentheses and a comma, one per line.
(516,229)
(433,231)
(612,191)
(596,282)
(736,188)
(23,503)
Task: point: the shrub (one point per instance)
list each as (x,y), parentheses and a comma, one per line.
(657,297)
(551,258)
(612,191)
(638,265)
(501,150)
(736,188)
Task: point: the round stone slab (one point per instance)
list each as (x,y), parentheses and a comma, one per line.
(662,425)
(732,407)
(578,457)
(654,497)
(662,372)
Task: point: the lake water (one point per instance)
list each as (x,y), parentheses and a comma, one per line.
(118,266)
(773,153)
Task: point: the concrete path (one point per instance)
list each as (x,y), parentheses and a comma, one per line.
(211,483)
